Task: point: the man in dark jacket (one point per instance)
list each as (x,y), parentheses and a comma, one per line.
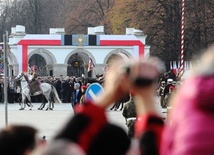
(65,91)
(76,95)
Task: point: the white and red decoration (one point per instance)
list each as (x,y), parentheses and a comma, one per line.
(69,40)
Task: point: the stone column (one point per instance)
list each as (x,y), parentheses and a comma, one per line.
(60,69)
(49,68)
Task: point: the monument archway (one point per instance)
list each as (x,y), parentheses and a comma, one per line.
(39,61)
(77,64)
(115,56)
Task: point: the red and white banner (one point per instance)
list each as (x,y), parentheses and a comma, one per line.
(49,40)
(122,40)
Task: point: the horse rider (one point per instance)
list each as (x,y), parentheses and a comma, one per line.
(129,113)
(33,83)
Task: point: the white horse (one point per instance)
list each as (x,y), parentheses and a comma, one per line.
(47,90)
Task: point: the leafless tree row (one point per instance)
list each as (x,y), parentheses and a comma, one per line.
(159,19)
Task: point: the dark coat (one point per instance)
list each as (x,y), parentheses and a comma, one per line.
(76,98)
(58,86)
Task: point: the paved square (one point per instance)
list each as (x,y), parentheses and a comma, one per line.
(48,122)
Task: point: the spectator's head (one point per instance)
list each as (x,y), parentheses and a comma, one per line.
(77,80)
(76,86)
(17,140)
(67,78)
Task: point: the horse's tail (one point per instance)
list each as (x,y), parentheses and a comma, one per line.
(55,95)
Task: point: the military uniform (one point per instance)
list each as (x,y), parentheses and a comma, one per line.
(33,83)
(161,94)
(129,113)
(167,99)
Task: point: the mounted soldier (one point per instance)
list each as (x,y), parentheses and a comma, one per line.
(33,82)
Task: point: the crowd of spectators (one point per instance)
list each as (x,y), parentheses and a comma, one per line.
(63,85)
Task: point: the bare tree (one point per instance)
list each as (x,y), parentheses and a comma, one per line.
(161,21)
(88,13)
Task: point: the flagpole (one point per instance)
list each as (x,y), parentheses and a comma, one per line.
(182,39)
(5,38)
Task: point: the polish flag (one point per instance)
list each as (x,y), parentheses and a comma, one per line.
(34,39)
(175,68)
(123,40)
(90,64)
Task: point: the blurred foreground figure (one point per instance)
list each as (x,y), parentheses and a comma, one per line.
(59,147)
(17,140)
(191,129)
(90,129)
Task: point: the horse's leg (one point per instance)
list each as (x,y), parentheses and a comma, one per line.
(42,106)
(52,104)
(47,98)
(29,99)
(43,103)
(22,103)
(26,102)
(50,98)
(118,105)
(49,106)
(20,100)
(113,106)
(121,105)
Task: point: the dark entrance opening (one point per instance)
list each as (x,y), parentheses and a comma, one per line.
(75,66)
(40,62)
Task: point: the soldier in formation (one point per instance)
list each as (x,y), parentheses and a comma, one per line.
(161,93)
(129,113)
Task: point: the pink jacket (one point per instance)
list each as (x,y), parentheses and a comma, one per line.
(191,129)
